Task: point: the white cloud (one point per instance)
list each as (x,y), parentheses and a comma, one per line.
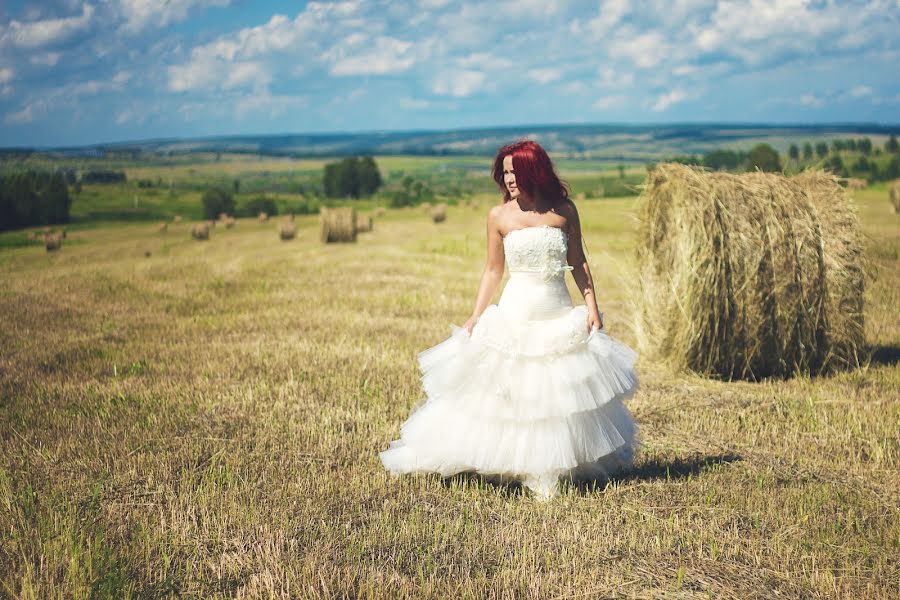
(6,75)
(414,103)
(38,34)
(668,99)
(44,59)
(811,100)
(544,75)
(644,50)
(607,102)
(269,105)
(359,56)
(860,90)
(458,84)
(610,13)
(139,14)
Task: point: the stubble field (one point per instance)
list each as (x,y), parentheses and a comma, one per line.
(205,422)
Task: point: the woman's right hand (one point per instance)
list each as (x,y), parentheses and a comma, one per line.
(470,324)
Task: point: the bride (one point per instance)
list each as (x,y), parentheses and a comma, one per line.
(531,388)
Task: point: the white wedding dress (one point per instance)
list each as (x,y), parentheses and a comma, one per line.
(531,395)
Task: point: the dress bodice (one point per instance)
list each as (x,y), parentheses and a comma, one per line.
(539,249)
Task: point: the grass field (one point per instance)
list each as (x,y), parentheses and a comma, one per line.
(205,422)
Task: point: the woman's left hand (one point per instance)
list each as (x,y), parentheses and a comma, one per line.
(594,321)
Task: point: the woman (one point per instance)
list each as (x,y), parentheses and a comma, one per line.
(530,388)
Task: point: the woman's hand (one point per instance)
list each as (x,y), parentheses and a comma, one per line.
(470,324)
(594,320)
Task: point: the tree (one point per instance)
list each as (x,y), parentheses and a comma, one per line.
(352,176)
(794,152)
(33,198)
(763,157)
(865,146)
(891,145)
(215,201)
(807,151)
(822,149)
(721,159)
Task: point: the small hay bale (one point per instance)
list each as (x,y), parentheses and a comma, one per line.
(749,276)
(426,206)
(47,229)
(287,231)
(580,196)
(229,222)
(263,217)
(147,254)
(162,227)
(338,224)
(177,219)
(290,217)
(52,241)
(439,213)
(379,211)
(855,183)
(200,231)
(223,216)
(895,195)
(364,223)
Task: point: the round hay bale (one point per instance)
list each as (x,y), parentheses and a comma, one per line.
(290,217)
(229,222)
(338,224)
(223,216)
(200,231)
(52,241)
(895,195)
(855,183)
(162,227)
(263,217)
(364,223)
(379,211)
(749,276)
(177,219)
(287,230)
(426,206)
(439,213)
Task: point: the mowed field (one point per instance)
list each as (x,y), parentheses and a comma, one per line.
(205,422)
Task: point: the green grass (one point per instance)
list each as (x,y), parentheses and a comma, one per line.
(206,422)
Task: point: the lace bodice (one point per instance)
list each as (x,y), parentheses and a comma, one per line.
(539,249)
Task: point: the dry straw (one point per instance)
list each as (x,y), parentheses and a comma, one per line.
(200,231)
(263,217)
(177,218)
(425,206)
(439,213)
(855,183)
(163,227)
(749,276)
(338,224)
(229,222)
(287,230)
(895,195)
(379,211)
(364,224)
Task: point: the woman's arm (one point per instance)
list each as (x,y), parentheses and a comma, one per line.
(581,272)
(493,269)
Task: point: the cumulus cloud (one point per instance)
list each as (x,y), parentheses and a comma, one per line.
(668,99)
(458,84)
(608,102)
(6,75)
(544,75)
(140,14)
(360,56)
(46,32)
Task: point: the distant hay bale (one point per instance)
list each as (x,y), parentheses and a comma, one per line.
(200,231)
(229,222)
(177,219)
(379,211)
(52,241)
(162,227)
(147,254)
(263,217)
(289,217)
(895,195)
(426,206)
(580,196)
(211,223)
(338,224)
(749,276)
(47,229)
(287,230)
(855,183)
(475,204)
(223,216)
(364,223)
(439,213)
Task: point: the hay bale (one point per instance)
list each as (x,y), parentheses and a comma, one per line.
(749,276)
(162,227)
(263,217)
(223,216)
(338,224)
(439,213)
(855,183)
(177,219)
(52,241)
(379,211)
(364,223)
(287,230)
(289,217)
(211,223)
(895,195)
(229,222)
(200,231)
(426,206)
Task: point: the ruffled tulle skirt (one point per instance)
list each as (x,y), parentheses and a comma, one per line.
(533,401)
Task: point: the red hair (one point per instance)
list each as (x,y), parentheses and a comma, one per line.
(534,172)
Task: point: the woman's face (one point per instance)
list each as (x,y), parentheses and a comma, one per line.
(509,177)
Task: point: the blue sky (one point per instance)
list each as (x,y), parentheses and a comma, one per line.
(89,71)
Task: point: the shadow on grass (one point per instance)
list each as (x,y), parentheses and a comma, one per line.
(887,356)
(652,470)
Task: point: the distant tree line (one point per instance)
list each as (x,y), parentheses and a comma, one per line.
(103,176)
(351,177)
(33,198)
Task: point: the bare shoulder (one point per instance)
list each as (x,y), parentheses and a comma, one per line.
(496,216)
